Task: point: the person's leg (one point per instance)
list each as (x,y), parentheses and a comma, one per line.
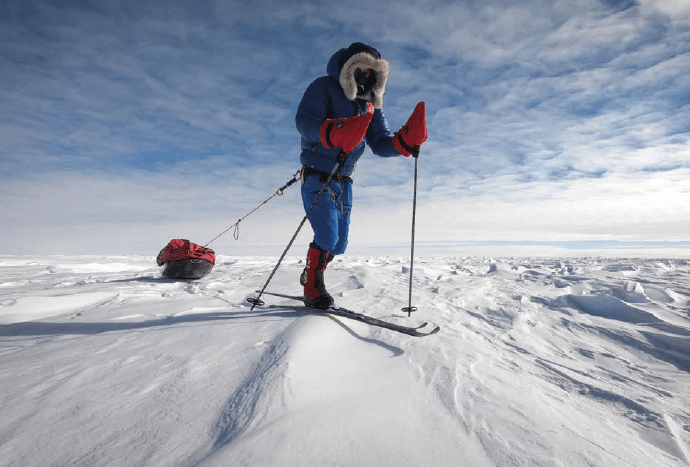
(323,218)
(343,210)
(315,293)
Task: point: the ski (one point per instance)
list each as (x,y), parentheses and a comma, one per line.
(345,313)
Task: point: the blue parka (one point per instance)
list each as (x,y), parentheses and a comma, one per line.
(323,99)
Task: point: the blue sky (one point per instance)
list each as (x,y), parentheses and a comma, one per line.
(126,123)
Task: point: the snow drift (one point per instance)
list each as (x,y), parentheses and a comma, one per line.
(538,362)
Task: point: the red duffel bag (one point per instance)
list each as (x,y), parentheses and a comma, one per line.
(185,260)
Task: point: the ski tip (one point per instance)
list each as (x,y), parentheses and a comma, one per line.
(417,333)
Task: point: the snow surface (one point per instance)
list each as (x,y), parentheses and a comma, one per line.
(539,362)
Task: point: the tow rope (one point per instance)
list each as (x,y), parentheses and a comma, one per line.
(236,225)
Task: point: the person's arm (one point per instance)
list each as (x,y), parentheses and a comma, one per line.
(312,111)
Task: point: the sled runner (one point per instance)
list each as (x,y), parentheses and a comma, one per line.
(185,260)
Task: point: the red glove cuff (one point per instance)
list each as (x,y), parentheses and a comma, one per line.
(402,147)
(326,128)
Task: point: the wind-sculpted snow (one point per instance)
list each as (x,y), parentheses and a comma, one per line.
(253,399)
(538,362)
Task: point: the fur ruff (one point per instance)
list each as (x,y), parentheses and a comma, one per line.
(364,60)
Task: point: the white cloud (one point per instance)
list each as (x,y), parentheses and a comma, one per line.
(651,207)
(674,9)
(542,115)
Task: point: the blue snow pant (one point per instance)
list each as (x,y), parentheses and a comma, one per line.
(330,217)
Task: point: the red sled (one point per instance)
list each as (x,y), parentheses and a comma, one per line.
(185,260)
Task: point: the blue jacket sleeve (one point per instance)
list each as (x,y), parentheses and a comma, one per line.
(312,111)
(379,136)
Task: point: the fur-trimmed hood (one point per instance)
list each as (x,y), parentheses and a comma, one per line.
(343,64)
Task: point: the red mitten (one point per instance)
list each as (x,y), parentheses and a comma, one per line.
(346,133)
(413,133)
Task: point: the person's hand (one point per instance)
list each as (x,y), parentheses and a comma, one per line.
(413,133)
(346,133)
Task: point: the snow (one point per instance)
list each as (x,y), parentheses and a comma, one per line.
(568,361)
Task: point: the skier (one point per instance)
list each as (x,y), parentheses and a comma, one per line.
(335,115)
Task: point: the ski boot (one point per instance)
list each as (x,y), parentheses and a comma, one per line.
(315,293)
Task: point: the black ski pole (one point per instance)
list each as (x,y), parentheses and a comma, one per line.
(257,300)
(409,308)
